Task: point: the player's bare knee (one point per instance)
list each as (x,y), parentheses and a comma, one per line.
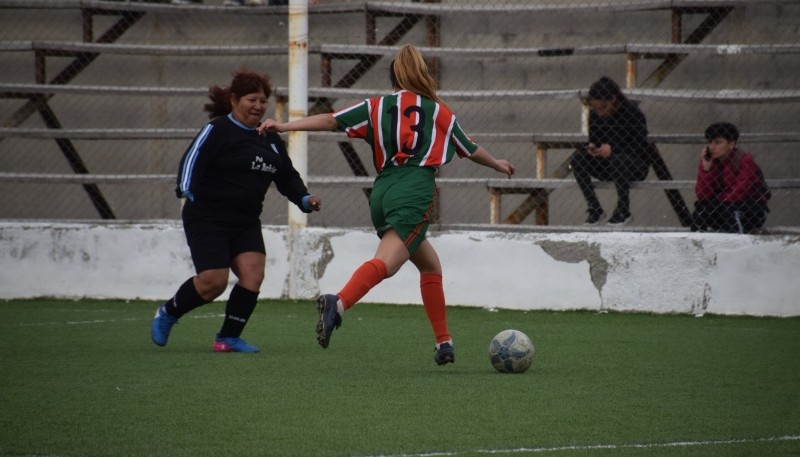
(211,286)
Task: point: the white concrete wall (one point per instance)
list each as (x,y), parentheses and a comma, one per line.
(651,272)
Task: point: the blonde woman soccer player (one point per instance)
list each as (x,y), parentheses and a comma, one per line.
(412,133)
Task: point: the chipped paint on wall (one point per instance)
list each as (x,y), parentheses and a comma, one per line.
(621,271)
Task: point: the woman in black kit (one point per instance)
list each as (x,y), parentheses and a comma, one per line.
(224,176)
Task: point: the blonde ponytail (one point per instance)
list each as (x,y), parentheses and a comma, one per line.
(410,72)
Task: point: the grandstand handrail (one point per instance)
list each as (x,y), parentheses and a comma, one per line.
(26,89)
(108,6)
(674,138)
(64,47)
(340,50)
(719,49)
(535,137)
(71,178)
(126,133)
(362,181)
(390,7)
(690,95)
(706,95)
(354,50)
(13,46)
(640,5)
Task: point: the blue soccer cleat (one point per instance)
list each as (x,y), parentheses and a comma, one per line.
(161,326)
(444,354)
(231,344)
(329,318)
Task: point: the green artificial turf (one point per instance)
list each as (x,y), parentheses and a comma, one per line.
(82,378)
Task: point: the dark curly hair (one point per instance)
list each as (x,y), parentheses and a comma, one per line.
(245,81)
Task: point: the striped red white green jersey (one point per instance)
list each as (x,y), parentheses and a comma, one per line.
(406,129)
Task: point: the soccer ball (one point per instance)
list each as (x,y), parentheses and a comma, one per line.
(511,351)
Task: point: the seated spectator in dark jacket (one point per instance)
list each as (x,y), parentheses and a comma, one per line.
(617,151)
(731,193)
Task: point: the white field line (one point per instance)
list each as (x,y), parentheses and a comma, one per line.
(590,447)
(105,321)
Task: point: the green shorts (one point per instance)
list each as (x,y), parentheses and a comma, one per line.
(402,199)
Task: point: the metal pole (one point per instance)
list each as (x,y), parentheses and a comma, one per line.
(298,108)
(298,96)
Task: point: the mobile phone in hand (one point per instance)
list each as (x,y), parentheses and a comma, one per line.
(707,154)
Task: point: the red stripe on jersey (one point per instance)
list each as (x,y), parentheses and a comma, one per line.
(444,123)
(358,131)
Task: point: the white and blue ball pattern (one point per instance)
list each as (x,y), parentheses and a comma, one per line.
(511,351)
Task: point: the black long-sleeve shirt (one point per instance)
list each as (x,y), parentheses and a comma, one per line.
(228,168)
(625,130)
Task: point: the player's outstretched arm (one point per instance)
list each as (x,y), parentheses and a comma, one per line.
(483,157)
(324,121)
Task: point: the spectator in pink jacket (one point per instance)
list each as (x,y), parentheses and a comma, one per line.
(731,192)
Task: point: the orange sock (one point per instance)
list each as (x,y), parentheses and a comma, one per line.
(433,300)
(364,278)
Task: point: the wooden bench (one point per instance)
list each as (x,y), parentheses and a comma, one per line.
(545,141)
(537,200)
(539,188)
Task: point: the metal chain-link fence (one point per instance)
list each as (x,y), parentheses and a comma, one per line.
(101,98)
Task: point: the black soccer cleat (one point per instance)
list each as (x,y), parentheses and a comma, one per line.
(444,354)
(329,318)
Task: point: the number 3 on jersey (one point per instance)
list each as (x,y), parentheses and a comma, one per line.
(418,129)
